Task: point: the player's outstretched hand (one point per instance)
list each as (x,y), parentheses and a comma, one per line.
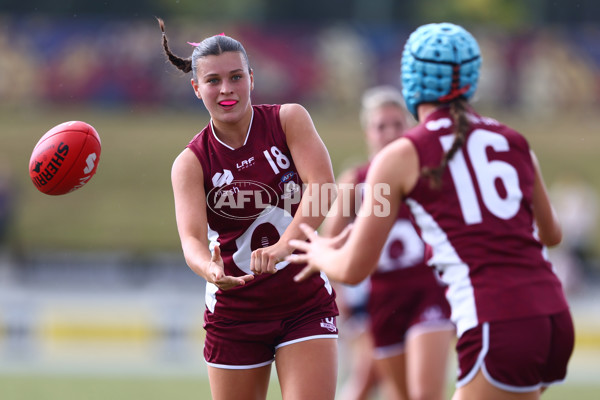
(315,250)
(216,273)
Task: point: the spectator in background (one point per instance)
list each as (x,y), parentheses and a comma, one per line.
(7,203)
(554,61)
(576,204)
(19,79)
(343,78)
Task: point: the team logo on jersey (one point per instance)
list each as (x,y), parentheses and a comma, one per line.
(329,324)
(240,199)
(222,178)
(245,164)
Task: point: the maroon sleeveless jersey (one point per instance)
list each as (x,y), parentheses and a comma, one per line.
(480,222)
(252,194)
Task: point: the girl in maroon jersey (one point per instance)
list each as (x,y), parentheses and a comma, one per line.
(410,330)
(237,187)
(476,192)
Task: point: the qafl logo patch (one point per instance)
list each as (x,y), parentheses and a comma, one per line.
(289,185)
(329,324)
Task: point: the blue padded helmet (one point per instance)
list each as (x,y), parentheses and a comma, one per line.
(440,62)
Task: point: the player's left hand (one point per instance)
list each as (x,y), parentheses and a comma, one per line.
(265,259)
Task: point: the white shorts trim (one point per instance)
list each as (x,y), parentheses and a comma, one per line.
(305,339)
(225,366)
(557,382)
(392,350)
(429,327)
(508,388)
(383,352)
(485,333)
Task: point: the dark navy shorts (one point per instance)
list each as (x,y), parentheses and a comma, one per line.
(519,355)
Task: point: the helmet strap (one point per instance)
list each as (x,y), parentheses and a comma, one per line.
(455,91)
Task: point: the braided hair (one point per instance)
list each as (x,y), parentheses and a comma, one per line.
(211,46)
(458,111)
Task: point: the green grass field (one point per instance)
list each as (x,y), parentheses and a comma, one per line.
(163,388)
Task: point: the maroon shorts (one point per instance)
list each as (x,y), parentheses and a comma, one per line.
(398,308)
(252,344)
(520,355)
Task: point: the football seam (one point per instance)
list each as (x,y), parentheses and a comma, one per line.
(86,131)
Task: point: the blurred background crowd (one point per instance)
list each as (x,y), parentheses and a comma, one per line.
(539,55)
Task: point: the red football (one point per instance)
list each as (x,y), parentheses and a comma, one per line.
(65,158)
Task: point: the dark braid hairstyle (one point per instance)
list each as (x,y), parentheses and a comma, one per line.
(211,46)
(458,111)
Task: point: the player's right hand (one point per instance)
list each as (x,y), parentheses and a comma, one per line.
(216,273)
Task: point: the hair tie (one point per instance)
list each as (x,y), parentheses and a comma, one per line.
(195,44)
